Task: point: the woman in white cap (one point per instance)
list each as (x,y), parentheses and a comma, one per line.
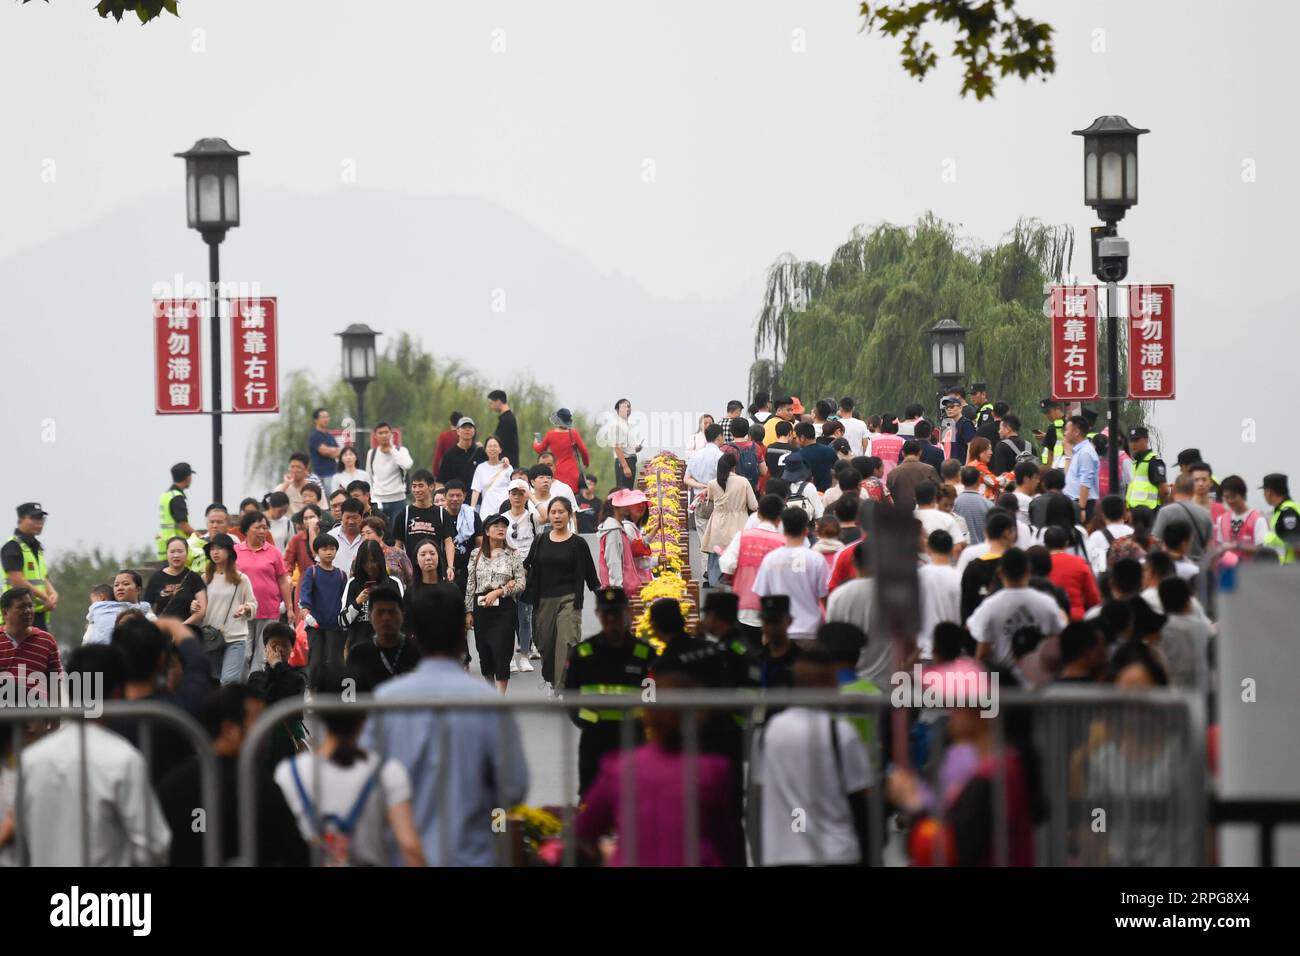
(564,442)
(525,526)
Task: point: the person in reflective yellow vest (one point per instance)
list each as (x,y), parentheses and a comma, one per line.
(173,511)
(979,397)
(612,663)
(1284,524)
(1149,485)
(1051,440)
(23,560)
(217,520)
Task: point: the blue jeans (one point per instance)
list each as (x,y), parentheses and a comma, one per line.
(525,627)
(228,662)
(714,572)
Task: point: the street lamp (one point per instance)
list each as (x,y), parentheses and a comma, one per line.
(359,367)
(212,207)
(947,353)
(1110,187)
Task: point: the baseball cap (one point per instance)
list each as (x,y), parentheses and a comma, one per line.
(1138,431)
(1189,456)
(979,386)
(1277,483)
(773,607)
(726,603)
(608,599)
(181,471)
(465,420)
(31,509)
(517,484)
(497,518)
(949,401)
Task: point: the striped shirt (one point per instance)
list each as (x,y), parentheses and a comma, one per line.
(38,652)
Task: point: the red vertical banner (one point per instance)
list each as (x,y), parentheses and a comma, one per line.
(255,366)
(177,360)
(1075,376)
(1150,342)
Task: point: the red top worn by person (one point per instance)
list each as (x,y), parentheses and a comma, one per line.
(563,441)
(660,808)
(1073,575)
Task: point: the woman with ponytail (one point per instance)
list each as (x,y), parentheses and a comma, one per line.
(730,500)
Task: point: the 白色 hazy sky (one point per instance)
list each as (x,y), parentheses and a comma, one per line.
(677,147)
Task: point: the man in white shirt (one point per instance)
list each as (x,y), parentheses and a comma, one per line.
(387,466)
(855,429)
(703,466)
(1099,542)
(126,822)
(798,572)
(812,767)
(1016,605)
(348,533)
(931,517)
(940,588)
(1026,473)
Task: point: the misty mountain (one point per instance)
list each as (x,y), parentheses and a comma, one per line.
(473,281)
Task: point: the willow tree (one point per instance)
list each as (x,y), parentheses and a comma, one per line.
(417,393)
(856,324)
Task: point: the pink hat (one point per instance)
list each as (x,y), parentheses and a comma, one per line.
(626,497)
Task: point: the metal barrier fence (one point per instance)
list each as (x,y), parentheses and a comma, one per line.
(147,712)
(1123,774)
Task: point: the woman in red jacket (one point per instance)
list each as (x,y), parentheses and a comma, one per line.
(564,443)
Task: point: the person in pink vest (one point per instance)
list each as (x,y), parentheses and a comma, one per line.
(1240,525)
(742,557)
(887,445)
(617,565)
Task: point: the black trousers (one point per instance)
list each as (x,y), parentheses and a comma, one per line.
(494,638)
(621,480)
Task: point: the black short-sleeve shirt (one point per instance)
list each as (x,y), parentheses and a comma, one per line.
(171,596)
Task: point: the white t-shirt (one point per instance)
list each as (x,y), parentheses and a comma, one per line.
(970,553)
(339,789)
(345,478)
(855,433)
(932,520)
(802,574)
(940,587)
(1024,500)
(523,529)
(1099,547)
(806,817)
(492,493)
(1004,612)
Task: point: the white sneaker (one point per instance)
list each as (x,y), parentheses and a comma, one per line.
(514,665)
(524,664)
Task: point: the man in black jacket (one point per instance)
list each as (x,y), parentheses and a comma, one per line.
(228,714)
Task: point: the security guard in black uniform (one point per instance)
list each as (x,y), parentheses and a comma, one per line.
(713,666)
(979,398)
(720,621)
(614,663)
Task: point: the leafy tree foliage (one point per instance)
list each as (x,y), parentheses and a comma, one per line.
(856,325)
(992,41)
(417,393)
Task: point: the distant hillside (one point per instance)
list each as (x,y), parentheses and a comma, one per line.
(96,456)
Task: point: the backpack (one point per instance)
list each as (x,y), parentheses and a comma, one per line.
(334,833)
(1022,454)
(796,499)
(746,462)
(1122,547)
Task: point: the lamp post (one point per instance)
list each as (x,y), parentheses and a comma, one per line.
(1110,187)
(947,353)
(212,203)
(359,369)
